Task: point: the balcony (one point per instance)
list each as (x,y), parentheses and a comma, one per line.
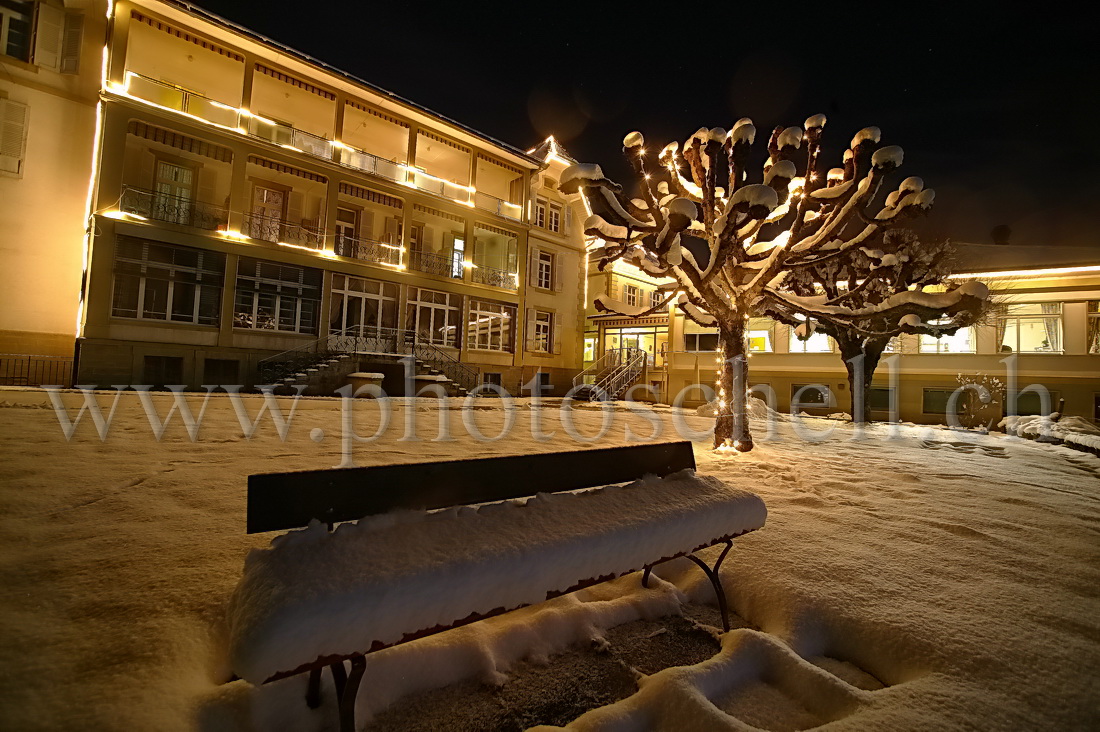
(498,206)
(280,231)
(372,164)
(173,209)
(431,184)
(368,250)
(436,264)
(288,137)
(495,277)
(181,100)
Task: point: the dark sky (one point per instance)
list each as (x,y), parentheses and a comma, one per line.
(995,110)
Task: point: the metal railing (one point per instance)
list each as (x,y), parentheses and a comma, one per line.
(367,250)
(611,374)
(437,264)
(182,100)
(494,277)
(370,163)
(17,370)
(290,137)
(499,206)
(367,340)
(173,209)
(440,187)
(273,229)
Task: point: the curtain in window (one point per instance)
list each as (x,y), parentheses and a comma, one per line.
(1053,325)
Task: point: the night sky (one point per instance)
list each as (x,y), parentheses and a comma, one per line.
(996,111)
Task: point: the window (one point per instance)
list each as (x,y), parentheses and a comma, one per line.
(544,274)
(880,398)
(700,342)
(541,331)
(814,396)
(221,371)
(589,349)
(361,307)
(276,296)
(553,220)
(15,29)
(934,401)
(630,294)
(491,325)
(1031,328)
(162,371)
(1094,326)
(347,225)
(656,298)
(540,213)
(816,343)
(435,317)
(760,335)
(13,135)
(961,342)
(162,282)
(1030,403)
(493,378)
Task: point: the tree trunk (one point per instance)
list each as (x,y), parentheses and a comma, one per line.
(860,360)
(731,426)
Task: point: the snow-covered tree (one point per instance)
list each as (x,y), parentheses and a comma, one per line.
(859,281)
(726,244)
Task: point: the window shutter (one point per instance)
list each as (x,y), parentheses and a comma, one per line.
(567,222)
(47,37)
(556,273)
(555,334)
(13,135)
(529,330)
(391,230)
(294,211)
(426,239)
(366,224)
(532,269)
(70,43)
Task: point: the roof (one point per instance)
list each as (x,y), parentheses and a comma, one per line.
(979,258)
(549,147)
(306,58)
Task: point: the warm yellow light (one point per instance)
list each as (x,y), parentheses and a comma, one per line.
(122,215)
(1028,272)
(468,264)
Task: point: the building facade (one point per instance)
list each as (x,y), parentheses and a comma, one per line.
(1045,329)
(242,200)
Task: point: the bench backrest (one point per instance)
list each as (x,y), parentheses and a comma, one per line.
(278,501)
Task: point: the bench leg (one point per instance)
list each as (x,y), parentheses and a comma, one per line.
(313,689)
(716,582)
(351,689)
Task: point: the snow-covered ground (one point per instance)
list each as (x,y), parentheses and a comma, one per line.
(937,580)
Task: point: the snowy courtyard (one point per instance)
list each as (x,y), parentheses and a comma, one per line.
(908,578)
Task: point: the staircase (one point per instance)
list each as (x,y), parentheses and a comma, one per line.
(332,357)
(611,375)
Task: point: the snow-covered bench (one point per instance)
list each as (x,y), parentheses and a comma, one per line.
(319,598)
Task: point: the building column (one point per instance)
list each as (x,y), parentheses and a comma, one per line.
(240,192)
(332,202)
(229,287)
(118,40)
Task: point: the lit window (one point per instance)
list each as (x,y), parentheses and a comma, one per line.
(816,343)
(760,335)
(630,295)
(961,342)
(161,282)
(542,331)
(545,274)
(434,316)
(1031,328)
(276,296)
(540,213)
(491,325)
(656,298)
(553,221)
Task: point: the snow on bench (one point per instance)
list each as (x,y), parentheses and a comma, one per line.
(318,598)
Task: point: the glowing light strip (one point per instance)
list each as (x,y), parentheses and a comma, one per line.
(1028,272)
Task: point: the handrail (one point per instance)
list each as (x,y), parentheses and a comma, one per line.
(280,230)
(495,277)
(368,340)
(172,209)
(437,264)
(367,250)
(613,383)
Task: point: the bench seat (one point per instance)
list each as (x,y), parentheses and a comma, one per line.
(317,595)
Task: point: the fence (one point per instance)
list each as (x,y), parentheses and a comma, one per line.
(36,371)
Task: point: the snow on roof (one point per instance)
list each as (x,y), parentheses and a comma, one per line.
(315,593)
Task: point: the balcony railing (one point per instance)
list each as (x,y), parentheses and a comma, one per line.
(173,209)
(270,228)
(367,163)
(286,136)
(438,186)
(368,250)
(498,206)
(483,275)
(437,264)
(181,100)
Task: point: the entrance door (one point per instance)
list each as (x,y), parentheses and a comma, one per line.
(172,193)
(266,219)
